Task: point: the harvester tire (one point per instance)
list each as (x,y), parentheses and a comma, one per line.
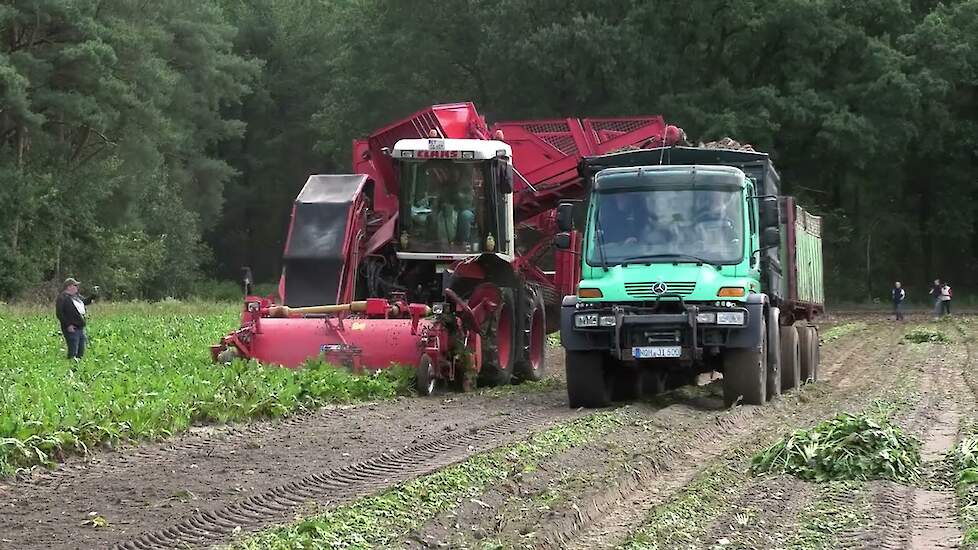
(808,344)
(774,367)
(745,373)
(532,337)
(425,377)
(588,383)
(499,348)
(790,359)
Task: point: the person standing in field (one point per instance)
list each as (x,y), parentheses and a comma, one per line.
(70,309)
(935,292)
(899,295)
(945,299)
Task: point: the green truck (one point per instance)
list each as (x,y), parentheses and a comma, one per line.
(691,261)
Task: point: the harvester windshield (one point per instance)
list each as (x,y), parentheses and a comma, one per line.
(443,206)
(659,224)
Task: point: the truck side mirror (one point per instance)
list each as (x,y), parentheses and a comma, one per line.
(770,238)
(769,212)
(505,178)
(565,216)
(562,240)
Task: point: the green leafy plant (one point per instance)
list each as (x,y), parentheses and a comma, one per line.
(964,459)
(924,335)
(847,447)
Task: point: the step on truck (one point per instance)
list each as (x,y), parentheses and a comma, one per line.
(692,261)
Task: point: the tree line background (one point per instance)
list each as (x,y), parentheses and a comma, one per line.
(155,146)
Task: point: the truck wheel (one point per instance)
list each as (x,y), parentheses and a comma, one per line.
(808,345)
(587,379)
(533,337)
(425,376)
(499,348)
(745,373)
(790,359)
(626,380)
(773,354)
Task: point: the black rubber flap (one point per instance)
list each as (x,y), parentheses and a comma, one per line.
(314,257)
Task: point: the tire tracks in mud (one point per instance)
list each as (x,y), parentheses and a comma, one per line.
(681,442)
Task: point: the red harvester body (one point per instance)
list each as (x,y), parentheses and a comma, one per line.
(475,299)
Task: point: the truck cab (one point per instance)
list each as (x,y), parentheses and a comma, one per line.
(681,274)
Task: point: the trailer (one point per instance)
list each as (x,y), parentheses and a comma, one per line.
(692,261)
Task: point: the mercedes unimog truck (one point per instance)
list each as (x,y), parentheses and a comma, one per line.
(692,261)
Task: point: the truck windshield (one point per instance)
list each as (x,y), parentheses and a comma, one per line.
(443,207)
(659,224)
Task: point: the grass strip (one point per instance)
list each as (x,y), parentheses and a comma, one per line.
(147,375)
(382,519)
(839,507)
(838,331)
(964,460)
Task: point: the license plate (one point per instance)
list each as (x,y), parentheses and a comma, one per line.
(654,352)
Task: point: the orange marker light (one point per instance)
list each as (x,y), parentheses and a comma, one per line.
(730,292)
(589,293)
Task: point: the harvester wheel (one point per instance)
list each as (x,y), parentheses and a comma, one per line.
(533,337)
(808,343)
(790,359)
(425,376)
(588,384)
(745,373)
(499,348)
(774,367)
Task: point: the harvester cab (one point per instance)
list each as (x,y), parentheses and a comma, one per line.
(456,199)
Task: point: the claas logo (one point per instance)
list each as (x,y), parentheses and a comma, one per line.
(438,154)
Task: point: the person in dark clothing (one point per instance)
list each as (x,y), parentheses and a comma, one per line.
(623,220)
(898,295)
(70,309)
(935,292)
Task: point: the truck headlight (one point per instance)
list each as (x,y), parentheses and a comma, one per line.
(730,317)
(586,320)
(607,321)
(706,318)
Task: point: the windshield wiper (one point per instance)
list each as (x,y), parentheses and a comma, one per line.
(686,258)
(600,237)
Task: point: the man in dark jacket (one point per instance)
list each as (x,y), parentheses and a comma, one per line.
(899,295)
(70,309)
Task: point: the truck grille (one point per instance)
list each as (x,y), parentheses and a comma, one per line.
(644,290)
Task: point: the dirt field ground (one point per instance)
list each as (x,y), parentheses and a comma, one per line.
(671,474)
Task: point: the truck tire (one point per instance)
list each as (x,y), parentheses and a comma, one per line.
(808,345)
(790,359)
(745,373)
(499,348)
(533,337)
(773,354)
(587,379)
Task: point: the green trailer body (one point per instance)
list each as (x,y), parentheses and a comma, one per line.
(801,261)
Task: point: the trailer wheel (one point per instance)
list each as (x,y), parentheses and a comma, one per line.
(533,337)
(425,376)
(808,344)
(774,366)
(745,373)
(587,379)
(499,349)
(790,359)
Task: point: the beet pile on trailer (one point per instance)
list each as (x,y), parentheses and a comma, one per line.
(438,251)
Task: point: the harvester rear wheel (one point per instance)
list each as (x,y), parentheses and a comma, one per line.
(808,343)
(745,373)
(425,376)
(499,348)
(588,383)
(533,337)
(790,359)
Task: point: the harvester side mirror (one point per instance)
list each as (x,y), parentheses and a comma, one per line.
(770,238)
(562,241)
(769,212)
(565,216)
(505,178)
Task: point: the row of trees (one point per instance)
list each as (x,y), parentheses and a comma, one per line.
(151,144)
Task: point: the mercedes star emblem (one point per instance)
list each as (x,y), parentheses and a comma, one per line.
(659,288)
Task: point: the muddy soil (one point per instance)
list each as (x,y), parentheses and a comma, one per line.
(152,486)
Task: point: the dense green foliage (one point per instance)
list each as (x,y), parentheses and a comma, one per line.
(847,447)
(147,374)
(146,144)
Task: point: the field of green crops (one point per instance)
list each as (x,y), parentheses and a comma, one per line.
(146,374)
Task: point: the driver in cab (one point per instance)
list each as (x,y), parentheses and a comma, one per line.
(454,214)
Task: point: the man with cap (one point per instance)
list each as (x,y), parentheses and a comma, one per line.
(70,309)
